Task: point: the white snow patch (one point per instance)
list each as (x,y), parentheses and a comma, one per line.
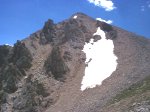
(100,59)
(8,45)
(75,17)
(106,21)
(25,77)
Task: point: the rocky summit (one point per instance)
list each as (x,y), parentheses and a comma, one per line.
(78,65)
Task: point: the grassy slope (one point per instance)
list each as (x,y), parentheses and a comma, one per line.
(134,94)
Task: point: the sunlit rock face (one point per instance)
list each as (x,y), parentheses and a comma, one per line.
(100,60)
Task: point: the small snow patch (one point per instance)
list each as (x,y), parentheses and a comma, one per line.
(8,45)
(100,60)
(75,17)
(25,77)
(106,21)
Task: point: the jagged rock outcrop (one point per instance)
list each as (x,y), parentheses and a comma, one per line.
(48,32)
(43,72)
(110,31)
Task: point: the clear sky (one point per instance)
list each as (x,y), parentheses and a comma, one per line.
(20,18)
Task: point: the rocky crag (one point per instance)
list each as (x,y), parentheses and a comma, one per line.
(43,72)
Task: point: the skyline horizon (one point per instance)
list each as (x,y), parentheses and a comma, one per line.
(19,19)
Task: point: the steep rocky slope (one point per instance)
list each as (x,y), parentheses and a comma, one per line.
(43,73)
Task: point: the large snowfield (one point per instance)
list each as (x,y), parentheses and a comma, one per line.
(100,59)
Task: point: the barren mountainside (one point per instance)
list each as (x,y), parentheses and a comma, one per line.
(45,72)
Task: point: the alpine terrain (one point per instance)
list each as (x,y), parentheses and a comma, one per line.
(78,65)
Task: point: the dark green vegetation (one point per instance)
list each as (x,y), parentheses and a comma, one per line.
(136,89)
(14,61)
(21,56)
(4,51)
(56,65)
(2,98)
(40,89)
(10,76)
(33,94)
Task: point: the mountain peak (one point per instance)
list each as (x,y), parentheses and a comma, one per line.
(46,72)
(80,14)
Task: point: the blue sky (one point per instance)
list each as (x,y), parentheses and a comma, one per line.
(20,18)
